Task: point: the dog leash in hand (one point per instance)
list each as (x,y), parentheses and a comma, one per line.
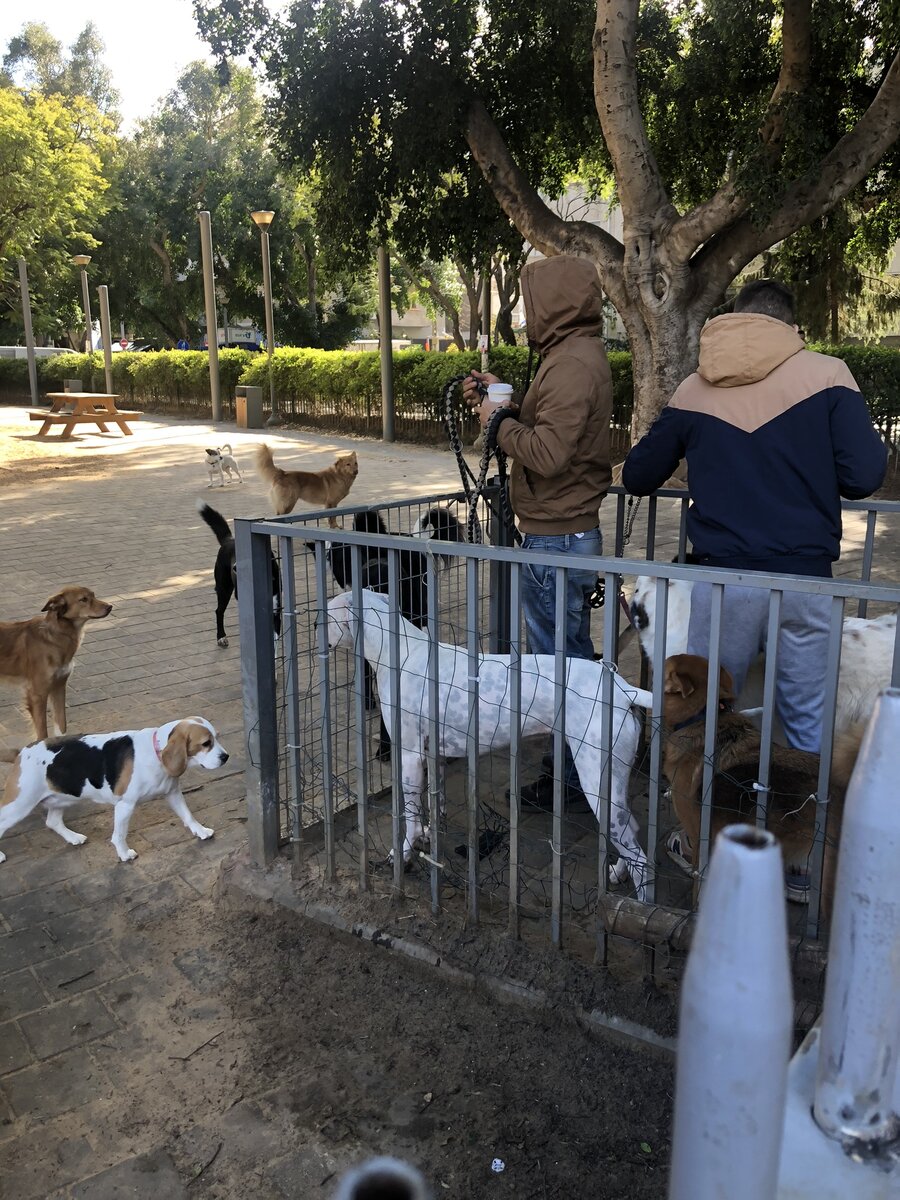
(474,486)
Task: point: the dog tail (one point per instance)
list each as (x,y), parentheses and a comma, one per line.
(215,521)
(266,465)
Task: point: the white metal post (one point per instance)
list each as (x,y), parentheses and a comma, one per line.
(858,1083)
(29,331)
(212,321)
(734,1038)
(106,334)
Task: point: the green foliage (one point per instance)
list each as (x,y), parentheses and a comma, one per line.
(36,60)
(307,380)
(52,185)
(206,149)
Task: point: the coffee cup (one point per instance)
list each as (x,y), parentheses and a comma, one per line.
(500,393)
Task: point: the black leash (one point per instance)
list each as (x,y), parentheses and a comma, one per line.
(474,486)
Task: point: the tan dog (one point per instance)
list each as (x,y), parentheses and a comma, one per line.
(39,651)
(326,488)
(793,777)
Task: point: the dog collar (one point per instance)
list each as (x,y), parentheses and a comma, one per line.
(156,744)
(725,706)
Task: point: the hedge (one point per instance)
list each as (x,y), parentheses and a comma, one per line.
(341,388)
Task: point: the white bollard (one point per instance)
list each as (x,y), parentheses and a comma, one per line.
(858,1084)
(734,1038)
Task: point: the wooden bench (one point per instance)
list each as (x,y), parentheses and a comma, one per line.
(97,408)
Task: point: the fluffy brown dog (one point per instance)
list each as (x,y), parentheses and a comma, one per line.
(326,488)
(793,777)
(39,651)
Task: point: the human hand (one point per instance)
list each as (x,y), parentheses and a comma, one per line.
(472,396)
(488,407)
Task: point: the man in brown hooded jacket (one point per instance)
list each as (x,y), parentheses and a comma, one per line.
(558,440)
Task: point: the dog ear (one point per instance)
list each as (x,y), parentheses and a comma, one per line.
(677,683)
(175,754)
(57,603)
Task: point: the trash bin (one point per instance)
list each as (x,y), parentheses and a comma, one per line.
(248,407)
(73,385)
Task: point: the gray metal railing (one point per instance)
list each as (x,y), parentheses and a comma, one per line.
(302,782)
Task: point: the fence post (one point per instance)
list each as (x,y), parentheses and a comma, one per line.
(734,1036)
(858,1082)
(254,585)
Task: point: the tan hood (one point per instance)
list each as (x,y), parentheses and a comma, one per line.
(739,348)
(562,296)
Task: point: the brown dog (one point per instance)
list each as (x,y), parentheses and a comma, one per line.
(39,651)
(791,813)
(326,488)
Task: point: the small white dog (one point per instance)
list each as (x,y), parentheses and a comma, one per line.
(537,713)
(110,768)
(221,462)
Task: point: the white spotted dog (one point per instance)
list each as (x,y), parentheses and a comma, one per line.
(220,462)
(110,768)
(584,715)
(867,651)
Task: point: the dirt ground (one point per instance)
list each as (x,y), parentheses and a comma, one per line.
(441,1078)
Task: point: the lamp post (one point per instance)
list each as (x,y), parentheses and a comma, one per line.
(81,261)
(263,218)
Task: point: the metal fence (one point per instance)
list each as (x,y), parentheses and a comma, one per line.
(323,786)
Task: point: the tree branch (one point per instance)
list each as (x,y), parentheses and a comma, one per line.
(793,77)
(813,195)
(646,206)
(534,219)
(722,209)
(439,298)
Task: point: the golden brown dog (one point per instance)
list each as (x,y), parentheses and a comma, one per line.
(793,777)
(326,488)
(39,651)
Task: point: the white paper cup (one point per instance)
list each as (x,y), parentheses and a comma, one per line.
(500,393)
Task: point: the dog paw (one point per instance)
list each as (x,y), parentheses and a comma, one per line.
(129,855)
(2,857)
(618,871)
(223,642)
(77,839)
(203,832)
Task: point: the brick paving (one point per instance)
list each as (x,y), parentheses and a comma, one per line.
(78,977)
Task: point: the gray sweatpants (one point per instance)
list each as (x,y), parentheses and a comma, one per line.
(802,651)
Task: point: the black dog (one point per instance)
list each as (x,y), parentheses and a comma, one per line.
(225,572)
(412,577)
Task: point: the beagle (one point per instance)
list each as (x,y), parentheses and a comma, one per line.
(110,768)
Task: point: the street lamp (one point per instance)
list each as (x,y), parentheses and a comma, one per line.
(82,260)
(263,218)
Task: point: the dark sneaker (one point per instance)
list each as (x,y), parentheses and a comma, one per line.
(540,795)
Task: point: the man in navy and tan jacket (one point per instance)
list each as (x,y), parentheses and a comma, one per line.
(774,435)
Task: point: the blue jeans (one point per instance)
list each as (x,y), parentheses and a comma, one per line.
(802,651)
(539,607)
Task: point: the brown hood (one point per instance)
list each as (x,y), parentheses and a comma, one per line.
(562,296)
(739,348)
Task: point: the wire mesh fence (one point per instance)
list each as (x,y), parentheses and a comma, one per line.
(437,665)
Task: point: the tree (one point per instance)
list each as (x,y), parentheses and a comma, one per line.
(35,59)
(204,149)
(718,128)
(52,193)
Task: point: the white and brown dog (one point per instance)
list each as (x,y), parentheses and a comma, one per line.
(110,768)
(221,462)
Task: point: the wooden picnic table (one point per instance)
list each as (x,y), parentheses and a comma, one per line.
(96,407)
